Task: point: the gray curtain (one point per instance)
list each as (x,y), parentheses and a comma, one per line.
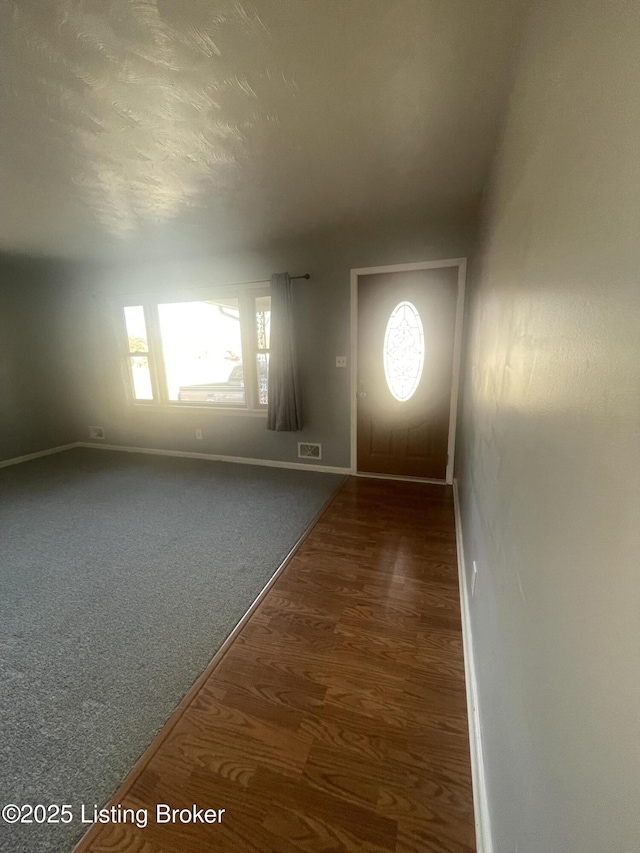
(283,412)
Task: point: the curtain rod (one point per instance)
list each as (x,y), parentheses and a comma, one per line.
(226,284)
(267,280)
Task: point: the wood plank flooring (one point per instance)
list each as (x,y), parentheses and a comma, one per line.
(336,721)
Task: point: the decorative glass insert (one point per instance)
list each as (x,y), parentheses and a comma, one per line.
(403,351)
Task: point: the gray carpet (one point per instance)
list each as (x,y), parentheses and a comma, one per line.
(120,576)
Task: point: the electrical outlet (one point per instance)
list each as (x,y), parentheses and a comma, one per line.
(199,434)
(96,432)
(474,578)
(341,361)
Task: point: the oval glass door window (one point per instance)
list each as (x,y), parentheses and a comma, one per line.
(403,351)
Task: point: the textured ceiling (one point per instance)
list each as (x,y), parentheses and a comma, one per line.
(149,126)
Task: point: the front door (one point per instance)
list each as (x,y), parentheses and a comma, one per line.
(406,330)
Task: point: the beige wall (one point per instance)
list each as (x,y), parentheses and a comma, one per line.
(550,448)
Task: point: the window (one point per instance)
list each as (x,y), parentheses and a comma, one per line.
(195,353)
(138,343)
(263,339)
(202,350)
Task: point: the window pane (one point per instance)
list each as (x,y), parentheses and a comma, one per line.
(136,328)
(203,351)
(263,321)
(403,353)
(141,375)
(263,377)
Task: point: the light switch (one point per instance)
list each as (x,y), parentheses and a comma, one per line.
(341,361)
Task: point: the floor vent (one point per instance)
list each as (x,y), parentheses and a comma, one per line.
(96,432)
(309,451)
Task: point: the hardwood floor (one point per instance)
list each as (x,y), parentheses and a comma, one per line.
(336,721)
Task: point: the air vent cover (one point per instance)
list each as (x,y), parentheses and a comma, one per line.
(309,451)
(96,432)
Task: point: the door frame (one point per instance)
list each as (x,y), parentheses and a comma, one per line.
(461,264)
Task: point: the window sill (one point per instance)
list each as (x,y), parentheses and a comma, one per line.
(217,410)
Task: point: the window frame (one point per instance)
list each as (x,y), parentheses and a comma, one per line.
(246,296)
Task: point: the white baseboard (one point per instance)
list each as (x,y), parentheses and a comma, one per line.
(216,457)
(484,841)
(17,459)
(213,457)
